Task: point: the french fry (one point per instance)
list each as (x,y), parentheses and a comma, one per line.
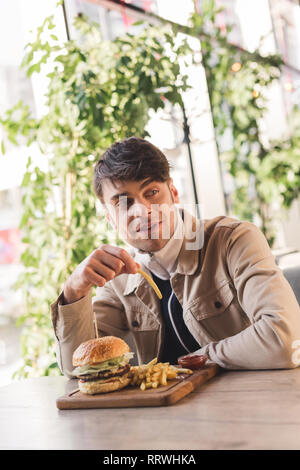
(164,377)
(154,374)
(143,386)
(184,371)
(154,361)
(171,375)
(151,282)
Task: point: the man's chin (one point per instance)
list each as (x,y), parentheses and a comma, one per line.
(148,245)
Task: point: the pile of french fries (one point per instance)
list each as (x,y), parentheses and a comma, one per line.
(154,374)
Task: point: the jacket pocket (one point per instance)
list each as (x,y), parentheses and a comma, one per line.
(141,320)
(213,303)
(219,313)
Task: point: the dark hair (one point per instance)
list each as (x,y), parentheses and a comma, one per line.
(132,159)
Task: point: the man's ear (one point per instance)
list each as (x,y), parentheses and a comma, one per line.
(174,191)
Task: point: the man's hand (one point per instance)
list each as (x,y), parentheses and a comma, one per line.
(103,265)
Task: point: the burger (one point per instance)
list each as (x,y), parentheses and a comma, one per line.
(102,365)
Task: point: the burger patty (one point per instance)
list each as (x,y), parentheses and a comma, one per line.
(105,374)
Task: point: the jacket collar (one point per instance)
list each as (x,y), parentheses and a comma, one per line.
(188,258)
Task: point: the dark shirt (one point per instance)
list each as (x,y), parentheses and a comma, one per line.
(178,341)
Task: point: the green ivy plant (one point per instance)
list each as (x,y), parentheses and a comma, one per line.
(280,172)
(99,92)
(237,84)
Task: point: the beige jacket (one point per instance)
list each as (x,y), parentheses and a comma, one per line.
(236,303)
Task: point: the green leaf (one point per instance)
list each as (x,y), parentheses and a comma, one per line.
(26,179)
(137,23)
(34,68)
(24,219)
(54,365)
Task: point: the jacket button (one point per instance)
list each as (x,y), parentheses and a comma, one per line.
(135,323)
(218,304)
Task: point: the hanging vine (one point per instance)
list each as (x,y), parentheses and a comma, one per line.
(265,173)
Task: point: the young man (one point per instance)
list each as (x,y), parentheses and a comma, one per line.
(223,294)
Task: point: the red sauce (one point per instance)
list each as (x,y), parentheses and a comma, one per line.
(194,362)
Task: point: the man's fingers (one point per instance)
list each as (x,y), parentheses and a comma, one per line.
(110,261)
(100,268)
(95,278)
(131,265)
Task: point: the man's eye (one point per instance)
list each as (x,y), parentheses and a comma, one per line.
(124,202)
(153,192)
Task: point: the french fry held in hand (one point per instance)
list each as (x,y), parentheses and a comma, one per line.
(151,282)
(154,374)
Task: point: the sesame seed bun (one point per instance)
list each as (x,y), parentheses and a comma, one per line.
(98,350)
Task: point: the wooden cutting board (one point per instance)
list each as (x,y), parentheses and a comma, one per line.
(134,397)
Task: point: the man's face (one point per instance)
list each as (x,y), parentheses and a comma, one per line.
(141,211)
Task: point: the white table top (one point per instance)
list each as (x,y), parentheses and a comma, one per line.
(234,410)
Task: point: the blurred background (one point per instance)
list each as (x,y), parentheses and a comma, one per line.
(222,102)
